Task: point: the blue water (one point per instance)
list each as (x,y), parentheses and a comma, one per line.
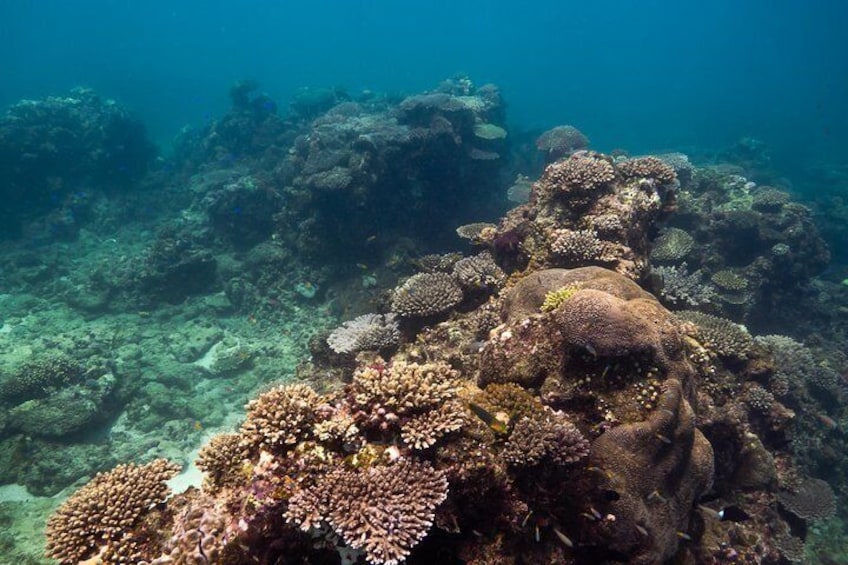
(648,75)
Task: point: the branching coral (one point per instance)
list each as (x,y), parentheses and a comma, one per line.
(682,288)
(479,272)
(222,460)
(721,335)
(673,245)
(544,435)
(576,246)
(98,519)
(812,500)
(366,332)
(581,171)
(426,294)
(279,418)
(648,167)
(403,388)
(383,510)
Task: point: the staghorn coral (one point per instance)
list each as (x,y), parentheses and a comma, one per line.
(383,510)
(426,294)
(279,418)
(222,460)
(366,332)
(729,281)
(813,499)
(721,335)
(476,232)
(576,246)
(581,172)
(682,288)
(437,263)
(673,245)
(759,399)
(649,168)
(659,467)
(424,430)
(202,529)
(98,520)
(561,141)
(479,272)
(404,388)
(546,435)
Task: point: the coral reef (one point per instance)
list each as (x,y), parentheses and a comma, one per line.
(660,468)
(99,519)
(369,331)
(583,211)
(561,141)
(426,294)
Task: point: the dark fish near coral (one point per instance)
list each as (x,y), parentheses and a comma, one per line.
(727,514)
(495,423)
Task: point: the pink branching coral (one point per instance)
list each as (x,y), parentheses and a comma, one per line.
(279,418)
(98,520)
(577,246)
(545,435)
(404,388)
(385,511)
(581,171)
(222,460)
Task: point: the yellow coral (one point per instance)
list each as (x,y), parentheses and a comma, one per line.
(555,298)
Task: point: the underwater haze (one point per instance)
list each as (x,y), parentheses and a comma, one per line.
(645,75)
(403,282)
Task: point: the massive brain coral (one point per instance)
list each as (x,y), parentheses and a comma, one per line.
(608,335)
(659,468)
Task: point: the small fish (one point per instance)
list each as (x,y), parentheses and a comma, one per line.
(657,496)
(611,495)
(663,438)
(526,519)
(595,513)
(827,421)
(197,426)
(362,266)
(684,536)
(717,514)
(371,238)
(641,530)
(563,538)
(588,516)
(496,424)
(591,349)
(733,514)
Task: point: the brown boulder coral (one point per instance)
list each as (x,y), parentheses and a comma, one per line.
(659,468)
(601,343)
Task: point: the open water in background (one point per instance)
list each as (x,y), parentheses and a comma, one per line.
(643,75)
